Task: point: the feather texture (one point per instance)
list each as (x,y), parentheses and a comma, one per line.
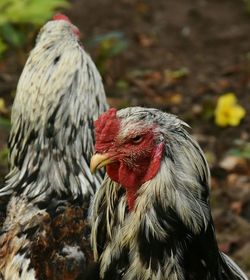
(49,185)
(169,234)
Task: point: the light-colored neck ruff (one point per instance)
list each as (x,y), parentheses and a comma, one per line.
(172,189)
(59,95)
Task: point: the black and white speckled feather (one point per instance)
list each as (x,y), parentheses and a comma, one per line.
(59,95)
(169,233)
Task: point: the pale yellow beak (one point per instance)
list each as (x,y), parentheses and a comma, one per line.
(98,161)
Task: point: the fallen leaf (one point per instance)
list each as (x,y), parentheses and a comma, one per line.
(225,247)
(175,98)
(233,163)
(142,8)
(236,207)
(172,76)
(144,40)
(243,255)
(197,109)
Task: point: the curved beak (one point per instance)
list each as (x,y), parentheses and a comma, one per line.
(99,160)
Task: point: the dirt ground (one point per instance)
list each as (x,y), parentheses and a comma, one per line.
(179,56)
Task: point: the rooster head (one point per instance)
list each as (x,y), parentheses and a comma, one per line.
(66,19)
(131,144)
(151,218)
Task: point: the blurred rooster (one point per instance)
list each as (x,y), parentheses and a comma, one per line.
(151,217)
(49,186)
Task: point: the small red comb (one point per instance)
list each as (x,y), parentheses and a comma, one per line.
(106,128)
(65,18)
(61,17)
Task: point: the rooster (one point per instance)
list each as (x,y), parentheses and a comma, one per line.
(48,189)
(151,218)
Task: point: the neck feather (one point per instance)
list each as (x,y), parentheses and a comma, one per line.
(51,139)
(170,208)
(131,179)
(59,165)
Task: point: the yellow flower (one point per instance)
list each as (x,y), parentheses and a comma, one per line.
(2,106)
(227,111)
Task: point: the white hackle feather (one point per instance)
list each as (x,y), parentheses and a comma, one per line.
(59,95)
(178,196)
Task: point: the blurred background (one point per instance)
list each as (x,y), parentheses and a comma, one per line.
(190,58)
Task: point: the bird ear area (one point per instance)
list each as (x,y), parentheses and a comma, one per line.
(155,162)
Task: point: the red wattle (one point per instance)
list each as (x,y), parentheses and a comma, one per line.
(132,179)
(131,197)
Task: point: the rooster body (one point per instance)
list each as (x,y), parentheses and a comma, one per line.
(49,185)
(151,217)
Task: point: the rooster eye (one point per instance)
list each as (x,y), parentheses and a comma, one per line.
(137,139)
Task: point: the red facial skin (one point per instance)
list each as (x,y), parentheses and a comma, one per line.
(135,162)
(65,18)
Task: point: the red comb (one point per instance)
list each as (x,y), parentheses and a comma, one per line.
(61,17)
(106,128)
(65,18)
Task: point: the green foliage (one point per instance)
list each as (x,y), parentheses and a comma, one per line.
(3,47)
(11,35)
(242,150)
(108,46)
(4,122)
(122,85)
(247,5)
(4,155)
(176,74)
(18,18)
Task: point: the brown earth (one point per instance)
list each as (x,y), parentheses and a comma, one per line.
(180,56)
